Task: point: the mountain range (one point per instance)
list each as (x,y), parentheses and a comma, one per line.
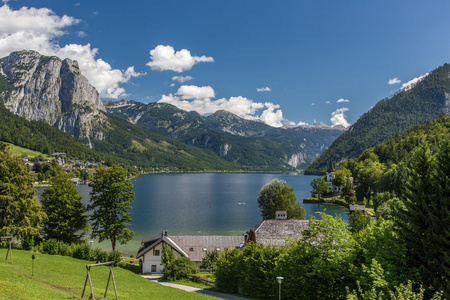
(53,91)
(232,138)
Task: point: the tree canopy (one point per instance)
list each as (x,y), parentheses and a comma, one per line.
(61,201)
(278,195)
(424,223)
(20,211)
(111,198)
(320,186)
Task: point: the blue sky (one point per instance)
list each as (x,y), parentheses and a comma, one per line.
(284,62)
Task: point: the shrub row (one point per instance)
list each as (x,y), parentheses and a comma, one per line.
(81,251)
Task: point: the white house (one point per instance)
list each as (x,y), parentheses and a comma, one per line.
(336,190)
(194,247)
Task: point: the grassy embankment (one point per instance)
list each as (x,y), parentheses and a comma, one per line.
(62,277)
(19,151)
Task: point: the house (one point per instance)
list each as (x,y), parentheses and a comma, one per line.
(353,208)
(275,232)
(194,247)
(330,172)
(336,190)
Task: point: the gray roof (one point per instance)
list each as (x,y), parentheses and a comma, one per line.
(357,207)
(184,244)
(151,243)
(275,232)
(209,242)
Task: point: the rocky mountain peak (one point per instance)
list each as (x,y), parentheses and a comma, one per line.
(53,90)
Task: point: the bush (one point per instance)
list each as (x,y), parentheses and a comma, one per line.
(27,243)
(114,256)
(99,255)
(65,249)
(179,268)
(82,251)
(51,246)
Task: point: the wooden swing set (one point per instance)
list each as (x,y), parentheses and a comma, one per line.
(88,276)
(9,248)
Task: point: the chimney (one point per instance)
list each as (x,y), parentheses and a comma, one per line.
(280,215)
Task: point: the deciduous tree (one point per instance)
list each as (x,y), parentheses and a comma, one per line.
(111,198)
(278,195)
(320,186)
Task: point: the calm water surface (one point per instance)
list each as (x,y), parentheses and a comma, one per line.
(204,204)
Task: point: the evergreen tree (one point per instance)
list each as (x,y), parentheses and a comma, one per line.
(61,201)
(111,198)
(278,195)
(20,211)
(167,255)
(424,225)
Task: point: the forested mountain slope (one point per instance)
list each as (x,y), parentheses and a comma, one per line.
(246,142)
(425,101)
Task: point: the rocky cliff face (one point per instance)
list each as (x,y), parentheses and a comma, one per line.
(53,90)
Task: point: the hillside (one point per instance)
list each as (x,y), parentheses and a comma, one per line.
(234,139)
(383,168)
(425,101)
(47,90)
(61,277)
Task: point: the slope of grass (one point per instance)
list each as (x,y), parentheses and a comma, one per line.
(61,277)
(19,151)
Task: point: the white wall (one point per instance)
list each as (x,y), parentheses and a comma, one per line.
(150,259)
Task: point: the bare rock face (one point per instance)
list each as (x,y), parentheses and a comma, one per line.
(53,90)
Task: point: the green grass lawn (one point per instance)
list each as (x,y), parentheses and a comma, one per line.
(19,151)
(62,277)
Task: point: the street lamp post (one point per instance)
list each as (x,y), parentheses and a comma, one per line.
(279,290)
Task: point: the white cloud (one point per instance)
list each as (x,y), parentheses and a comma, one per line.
(312,104)
(182,79)
(328,102)
(195,92)
(343,100)
(272,117)
(264,89)
(39,29)
(394,81)
(199,99)
(97,71)
(31,29)
(410,84)
(338,117)
(165,58)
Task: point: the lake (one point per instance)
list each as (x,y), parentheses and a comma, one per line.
(204,204)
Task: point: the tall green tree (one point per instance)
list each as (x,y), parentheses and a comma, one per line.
(61,202)
(20,211)
(320,186)
(111,199)
(424,225)
(278,195)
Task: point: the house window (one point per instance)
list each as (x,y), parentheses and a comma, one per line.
(191,249)
(153,268)
(156,252)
